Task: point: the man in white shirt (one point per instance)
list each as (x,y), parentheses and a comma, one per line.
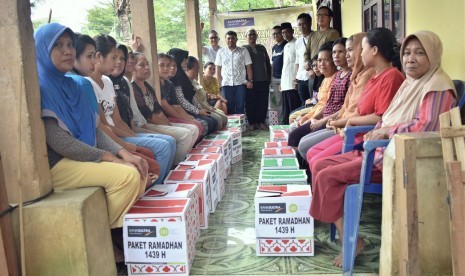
(290,99)
(304,22)
(233,66)
(209,52)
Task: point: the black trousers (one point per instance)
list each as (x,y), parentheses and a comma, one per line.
(291,101)
(256,102)
(304,90)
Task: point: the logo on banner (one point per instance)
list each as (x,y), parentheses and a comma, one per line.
(272,208)
(142,231)
(239,22)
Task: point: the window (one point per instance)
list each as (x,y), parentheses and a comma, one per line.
(385,13)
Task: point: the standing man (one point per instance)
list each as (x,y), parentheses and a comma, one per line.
(256,99)
(324,33)
(304,22)
(277,58)
(291,99)
(232,62)
(209,52)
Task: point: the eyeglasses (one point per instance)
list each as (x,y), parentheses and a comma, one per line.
(213,37)
(314,65)
(321,15)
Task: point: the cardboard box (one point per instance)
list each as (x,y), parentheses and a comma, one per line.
(176,191)
(205,150)
(280,144)
(223,136)
(282,177)
(278,153)
(236,142)
(157,237)
(280,164)
(212,167)
(237,120)
(273,117)
(279,135)
(224,144)
(282,222)
(221,167)
(195,176)
(279,127)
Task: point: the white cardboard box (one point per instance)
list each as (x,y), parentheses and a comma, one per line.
(175,191)
(282,222)
(211,166)
(280,144)
(279,135)
(236,143)
(282,177)
(237,120)
(195,176)
(221,169)
(225,150)
(278,153)
(279,164)
(205,150)
(157,237)
(273,117)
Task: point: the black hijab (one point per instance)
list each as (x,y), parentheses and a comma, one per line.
(181,79)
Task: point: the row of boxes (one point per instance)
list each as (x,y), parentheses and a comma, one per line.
(283,224)
(161,229)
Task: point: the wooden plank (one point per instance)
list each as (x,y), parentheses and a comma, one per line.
(213,9)
(193,32)
(459,142)
(457,216)
(406,204)
(8,257)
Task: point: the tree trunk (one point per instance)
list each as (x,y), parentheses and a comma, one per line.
(123,9)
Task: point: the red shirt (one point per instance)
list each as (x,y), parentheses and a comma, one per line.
(379,91)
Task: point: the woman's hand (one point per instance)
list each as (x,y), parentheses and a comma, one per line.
(317,124)
(203,112)
(377,134)
(138,162)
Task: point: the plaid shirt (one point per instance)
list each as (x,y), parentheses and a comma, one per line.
(337,94)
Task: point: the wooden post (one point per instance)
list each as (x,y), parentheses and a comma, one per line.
(193,31)
(213,9)
(20,59)
(406,186)
(143,25)
(8,257)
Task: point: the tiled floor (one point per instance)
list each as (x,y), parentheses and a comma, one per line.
(228,246)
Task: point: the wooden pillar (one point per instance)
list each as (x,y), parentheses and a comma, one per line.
(213,10)
(22,129)
(143,25)
(193,31)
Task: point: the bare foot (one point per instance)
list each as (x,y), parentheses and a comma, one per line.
(360,245)
(263,127)
(119,255)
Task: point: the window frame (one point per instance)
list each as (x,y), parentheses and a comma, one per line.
(367,5)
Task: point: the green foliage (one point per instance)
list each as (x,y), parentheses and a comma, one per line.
(100,19)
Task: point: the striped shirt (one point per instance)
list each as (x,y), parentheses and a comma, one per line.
(427,118)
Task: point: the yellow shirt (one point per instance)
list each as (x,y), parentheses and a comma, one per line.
(211,86)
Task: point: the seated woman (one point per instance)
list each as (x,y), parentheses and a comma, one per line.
(327,67)
(162,146)
(318,78)
(427,92)
(185,92)
(192,72)
(337,95)
(210,83)
(359,77)
(380,51)
(79,153)
(183,136)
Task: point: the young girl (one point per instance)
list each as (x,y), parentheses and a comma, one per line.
(210,83)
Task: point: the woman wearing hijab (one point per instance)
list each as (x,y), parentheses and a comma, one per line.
(185,92)
(427,92)
(79,153)
(359,77)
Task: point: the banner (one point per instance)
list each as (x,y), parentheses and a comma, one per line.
(262,21)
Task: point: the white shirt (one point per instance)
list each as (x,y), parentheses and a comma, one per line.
(210,53)
(233,64)
(300,47)
(288,73)
(105,97)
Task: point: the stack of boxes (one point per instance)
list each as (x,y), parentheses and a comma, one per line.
(282,201)
(161,229)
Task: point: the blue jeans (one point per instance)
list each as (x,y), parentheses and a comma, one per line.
(235,95)
(163,146)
